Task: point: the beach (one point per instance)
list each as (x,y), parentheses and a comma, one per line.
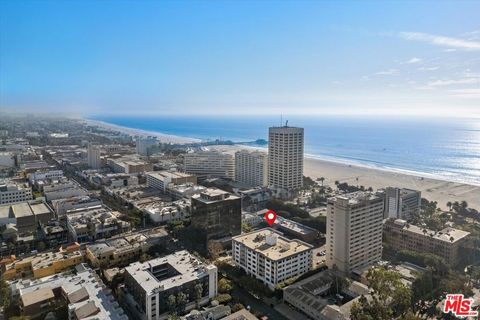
(161,137)
(432,189)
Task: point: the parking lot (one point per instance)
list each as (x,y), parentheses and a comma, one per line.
(319,256)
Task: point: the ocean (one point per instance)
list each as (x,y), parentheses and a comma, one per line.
(447,149)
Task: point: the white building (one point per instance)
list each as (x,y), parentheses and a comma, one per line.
(285,158)
(14,193)
(161,179)
(210,164)
(251,168)
(144,145)
(44,175)
(354,230)
(93,155)
(148,285)
(161,212)
(270,257)
(62,190)
(402,203)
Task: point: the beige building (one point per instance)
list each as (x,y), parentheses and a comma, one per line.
(251,168)
(446,243)
(402,203)
(270,257)
(354,230)
(210,164)
(285,158)
(161,179)
(42,264)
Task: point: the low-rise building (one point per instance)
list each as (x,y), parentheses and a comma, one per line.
(14,192)
(149,285)
(124,250)
(89,224)
(83,293)
(270,257)
(183,191)
(129,164)
(62,190)
(26,215)
(42,264)
(400,235)
(161,179)
(62,206)
(311,297)
(162,212)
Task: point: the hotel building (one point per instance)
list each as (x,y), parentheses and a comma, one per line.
(445,243)
(210,164)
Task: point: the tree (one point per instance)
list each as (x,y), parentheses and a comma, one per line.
(237,307)
(214,248)
(198,293)
(390,298)
(172,304)
(246,228)
(182,300)
(4,294)
(449,205)
(224,286)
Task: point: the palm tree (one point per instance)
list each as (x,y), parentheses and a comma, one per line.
(321,179)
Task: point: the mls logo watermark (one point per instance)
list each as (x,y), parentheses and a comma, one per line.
(459,306)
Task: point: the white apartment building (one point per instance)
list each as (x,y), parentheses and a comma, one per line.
(354,230)
(161,179)
(148,285)
(93,155)
(402,203)
(285,157)
(144,145)
(270,257)
(14,193)
(251,168)
(210,164)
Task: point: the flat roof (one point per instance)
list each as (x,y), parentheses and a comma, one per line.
(283,248)
(444,235)
(37,296)
(169,174)
(188,269)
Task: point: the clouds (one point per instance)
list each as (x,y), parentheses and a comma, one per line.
(388,72)
(452,43)
(414,60)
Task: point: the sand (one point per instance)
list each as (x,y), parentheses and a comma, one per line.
(431,188)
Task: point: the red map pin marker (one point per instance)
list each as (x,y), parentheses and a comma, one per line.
(270,217)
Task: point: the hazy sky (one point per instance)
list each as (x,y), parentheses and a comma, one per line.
(214,57)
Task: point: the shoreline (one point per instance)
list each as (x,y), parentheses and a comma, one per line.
(433,187)
(162,137)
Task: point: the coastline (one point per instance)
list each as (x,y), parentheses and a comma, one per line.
(162,137)
(433,188)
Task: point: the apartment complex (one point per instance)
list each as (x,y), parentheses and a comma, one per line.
(42,264)
(217,213)
(354,230)
(13,192)
(402,203)
(129,165)
(285,158)
(161,179)
(401,235)
(93,157)
(270,257)
(210,164)
(148,285)
(83,294)
(251,168)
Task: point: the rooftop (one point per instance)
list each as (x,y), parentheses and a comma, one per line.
(357,197)
(281,247)
(450,235)
(168,174)
(182,268)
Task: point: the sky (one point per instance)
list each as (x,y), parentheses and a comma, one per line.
(418,58)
